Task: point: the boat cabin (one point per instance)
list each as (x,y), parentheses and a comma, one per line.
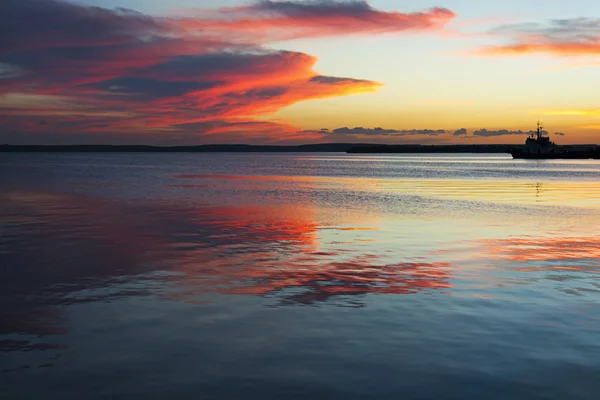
(537,143)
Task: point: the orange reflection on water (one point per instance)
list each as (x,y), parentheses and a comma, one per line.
(528,249)
(82,249)
(266,224)
(321,277)
(569,263)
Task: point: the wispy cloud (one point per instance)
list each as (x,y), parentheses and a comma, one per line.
(568,37)
(285,20)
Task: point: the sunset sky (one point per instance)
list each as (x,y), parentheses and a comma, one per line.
(289,72)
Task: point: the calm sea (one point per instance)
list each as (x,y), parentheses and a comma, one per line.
(309,276)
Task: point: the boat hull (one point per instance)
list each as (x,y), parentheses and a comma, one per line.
(568,155)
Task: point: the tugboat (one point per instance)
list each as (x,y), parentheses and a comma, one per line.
(540,147)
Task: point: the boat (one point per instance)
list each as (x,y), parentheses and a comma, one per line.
(538,146)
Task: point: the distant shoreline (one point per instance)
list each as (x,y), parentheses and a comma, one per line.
(243,148)
(365,148)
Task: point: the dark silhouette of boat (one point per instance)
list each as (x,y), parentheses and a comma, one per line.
(540,147)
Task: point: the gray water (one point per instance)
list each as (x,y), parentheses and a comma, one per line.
(268,276)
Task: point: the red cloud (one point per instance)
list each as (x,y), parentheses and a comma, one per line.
(103,75)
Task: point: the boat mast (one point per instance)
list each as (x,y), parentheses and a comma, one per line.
(539,130)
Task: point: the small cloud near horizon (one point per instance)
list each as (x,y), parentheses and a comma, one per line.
(359,130)
(502,132)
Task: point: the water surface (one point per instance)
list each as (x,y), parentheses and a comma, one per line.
(268,276)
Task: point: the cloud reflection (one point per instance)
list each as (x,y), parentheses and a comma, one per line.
(570,260)
(530,249)
(64,249)
(320,281)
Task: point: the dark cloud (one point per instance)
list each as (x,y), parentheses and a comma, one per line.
(29,24)
(147,89)
(381,131)
(460,132)
(359,130)
(502,132)
(322,8)
(560,133)
(9,71)
(223,65)
(333,80)
(57,45)
(267,93)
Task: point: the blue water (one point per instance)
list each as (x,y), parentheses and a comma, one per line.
(269,276)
